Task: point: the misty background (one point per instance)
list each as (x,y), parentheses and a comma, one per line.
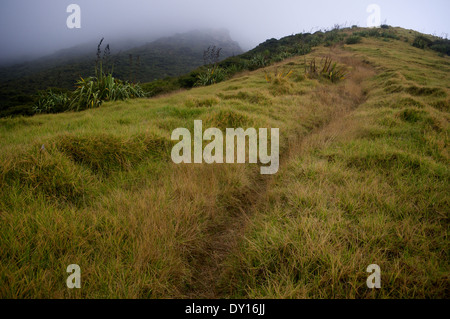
(30,28)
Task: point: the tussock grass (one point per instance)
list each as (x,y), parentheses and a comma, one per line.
(229,118)
(442,105)
(326,69)
(201,102)
(104,153)
(47,172)
(425,91)
(254,98)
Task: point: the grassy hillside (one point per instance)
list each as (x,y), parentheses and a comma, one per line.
(363,180)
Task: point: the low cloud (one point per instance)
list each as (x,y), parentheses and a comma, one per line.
(31,28)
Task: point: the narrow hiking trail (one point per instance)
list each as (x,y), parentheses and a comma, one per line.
(223,237)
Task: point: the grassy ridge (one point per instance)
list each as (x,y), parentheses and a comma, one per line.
(363,180)
(370,188)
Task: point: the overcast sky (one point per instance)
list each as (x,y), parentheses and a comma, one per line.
(39,26)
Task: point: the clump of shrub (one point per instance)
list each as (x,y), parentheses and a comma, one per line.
(440,45)
(353,39)
(160,87)
(302,49)
(377,33)
(51,101)
(259,61)
(277,77)
(334,37)
(422,42)
(212,73)
(326,69)
(211,76)
(91,92)
(279,82)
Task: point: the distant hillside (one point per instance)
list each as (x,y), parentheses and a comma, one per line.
(172,56)
(80,53)
(168,56)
